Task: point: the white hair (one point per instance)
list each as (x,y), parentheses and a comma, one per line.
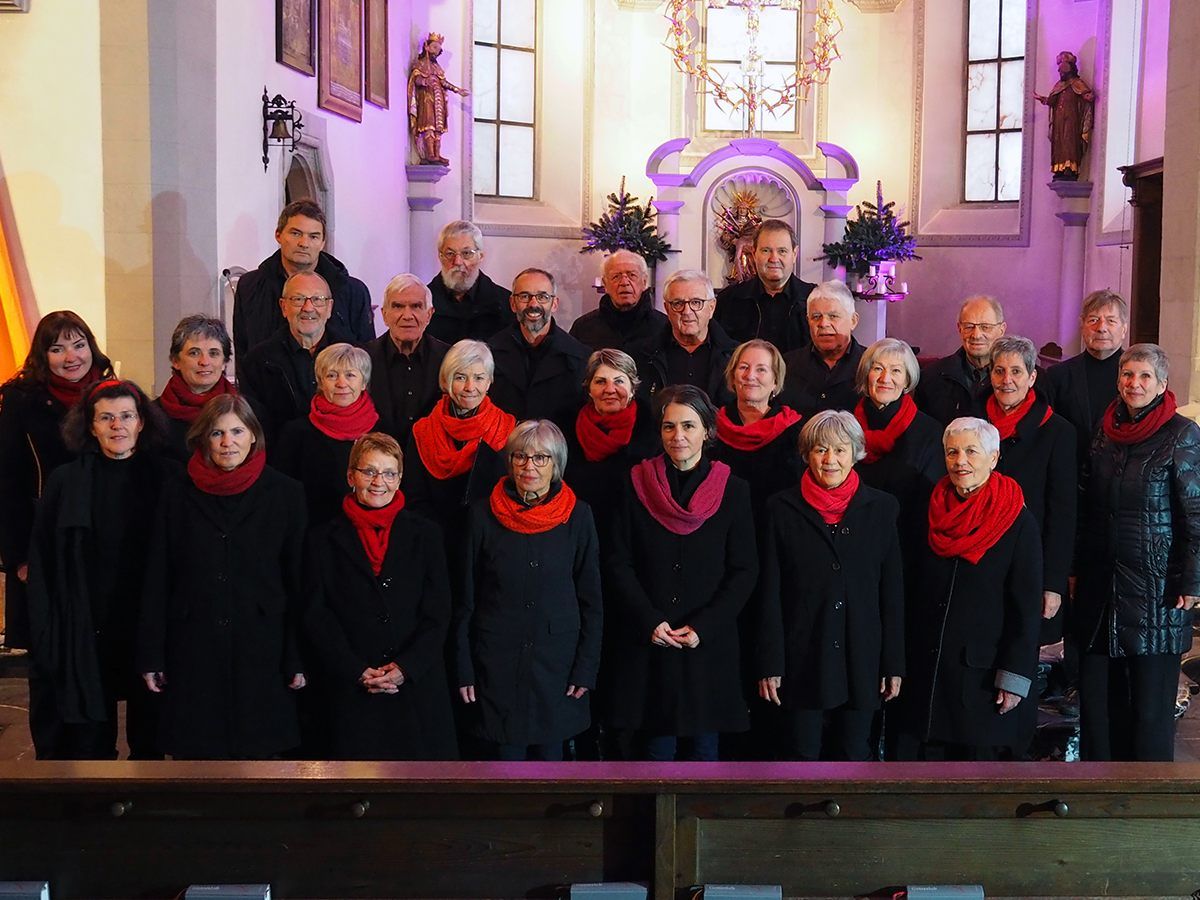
(408,280)
(833,290)
(989,437)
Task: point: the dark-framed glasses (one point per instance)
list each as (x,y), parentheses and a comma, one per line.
(541,460)
(695,304)
(541,298)
(298,301)
(389,476)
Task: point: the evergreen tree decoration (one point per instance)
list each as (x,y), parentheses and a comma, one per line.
(626,226)
(872,237)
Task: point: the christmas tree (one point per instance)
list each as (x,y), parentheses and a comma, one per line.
(626,226)
(875,235)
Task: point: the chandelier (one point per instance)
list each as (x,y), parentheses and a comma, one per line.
(751,93)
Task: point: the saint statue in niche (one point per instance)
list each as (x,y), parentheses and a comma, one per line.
(427,87)
(1070,103)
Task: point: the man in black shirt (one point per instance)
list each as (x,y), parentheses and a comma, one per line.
(822,375)
(626,313)
(959,384)
(466,303)
(772,305)
(405,361)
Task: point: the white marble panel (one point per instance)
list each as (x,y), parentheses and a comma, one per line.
(981,96)
(980,181)
(485,16)
(517,88)
(483,82)
(1012,94)
(1012,28)
(1009,187)
(483,165)
(517,23)
(983,29)
(516,161)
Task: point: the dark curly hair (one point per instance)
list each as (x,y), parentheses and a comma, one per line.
(36,369)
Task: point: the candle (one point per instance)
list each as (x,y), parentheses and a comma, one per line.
(904,287)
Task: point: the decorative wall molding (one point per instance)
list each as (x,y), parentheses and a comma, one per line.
(877,6)
(553,232)
(639,4)
(14,5)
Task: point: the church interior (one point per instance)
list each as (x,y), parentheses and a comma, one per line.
(147,147)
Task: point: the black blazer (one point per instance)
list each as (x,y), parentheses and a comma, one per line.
(811,386)
(832,622)
(358,619)
(1065,387)
(553,390)
(740,311)
(651,359)
(390,408)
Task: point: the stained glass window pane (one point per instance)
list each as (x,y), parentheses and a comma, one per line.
(1009,181)
(517,23)
(516,161)
(981,96)
(1012,94)
(516,74)
(485,21)
(1012,28)
(981,167)
(483,82)
(484,158)
(983,29)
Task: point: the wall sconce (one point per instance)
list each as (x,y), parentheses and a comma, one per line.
(282,124)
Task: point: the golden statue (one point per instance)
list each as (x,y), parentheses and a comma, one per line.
(427,86)
(1070,103)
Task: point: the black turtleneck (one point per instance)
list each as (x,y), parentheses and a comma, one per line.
(1101,375)
(878,419)
(684,484)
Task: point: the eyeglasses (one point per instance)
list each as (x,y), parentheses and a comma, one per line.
(541,460)
(624,276)
(695,304)
(541,298)
(299,301)
(464,255)
(981,327)
(390,476)
(124,418)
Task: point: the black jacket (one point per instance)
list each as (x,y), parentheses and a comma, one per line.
(651,359)
(319,463)
(31,447)
(810,386)
(945,392)
(256,314)
(606,326)
(767,470)
(383,353)
(220,617)
(968,624)
(482,312)
(832,620)
(1140,544)
(528,624)
(742,310)
(1041,459)
(359,619)
(1065,387)
(553,388)
(702,579)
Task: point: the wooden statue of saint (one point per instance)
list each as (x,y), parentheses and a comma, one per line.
(1070,103)
(427,87)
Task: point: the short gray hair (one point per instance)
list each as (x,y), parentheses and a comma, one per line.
(989,437)
(460,227)
(1022,346)
(535,435)
(833,426)
(306,274)
(991,301)
(688,275)
(833,290)
(1098,300)
(1149,353)
(403,282)
(199,327)
(461,357)
(534,270)
(637,258)
(346,355)
(888,347)
(614,359)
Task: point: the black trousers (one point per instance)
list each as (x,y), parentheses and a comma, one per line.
(1127,707)
(55,739)
(841,734)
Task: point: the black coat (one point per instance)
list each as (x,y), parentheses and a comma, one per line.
(651,359)
(256,314)
(220,617)
(741,309)
(702,579)
(767,470)
(1140,544)
(606,326)
(945,393)
(967,624)
(553,389)
(1041,459)
(832,620)
(446,500)
(481,313)
(383,354)
(31,447)
(319,463)
(527,625)
(1065,387)
(359,619)
(810,386)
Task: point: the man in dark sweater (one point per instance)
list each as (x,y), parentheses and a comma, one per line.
(300,233)
(466,303)
(959,384)
(772,305)
(626,313)
(822,375)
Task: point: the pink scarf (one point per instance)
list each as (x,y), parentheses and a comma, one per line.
(654,491)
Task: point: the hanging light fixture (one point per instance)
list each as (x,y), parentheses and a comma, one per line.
(282,123)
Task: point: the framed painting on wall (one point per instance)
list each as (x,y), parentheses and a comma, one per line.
(295,36)
(340,39)
(377,52)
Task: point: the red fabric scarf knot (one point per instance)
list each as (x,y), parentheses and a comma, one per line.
(343,423)
(68,393)
(756,435)
(881,441)
(1134,432)
(1006,422)
(970,527)
(439,434)
(213,480)
(830,503)
(373,525)
(654,491)
(181,403)
(516,516)
(601,435)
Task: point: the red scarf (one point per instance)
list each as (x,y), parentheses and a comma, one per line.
(1133,432)
(212,480)
(1006,422)
(374,526)
(437,433)
(343,423)
(757,435)
(600,435)
(830,503)
(68,393)
(969,528)
(881,441)
(180,402)
(654,491)
(516,516)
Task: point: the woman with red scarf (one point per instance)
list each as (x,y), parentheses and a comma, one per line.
(223,594)
(316,450)
(680,564)
(1138,566)
(529,617)
(831,635)
(200,351)
(756,435)
(972,635)
(379,617)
